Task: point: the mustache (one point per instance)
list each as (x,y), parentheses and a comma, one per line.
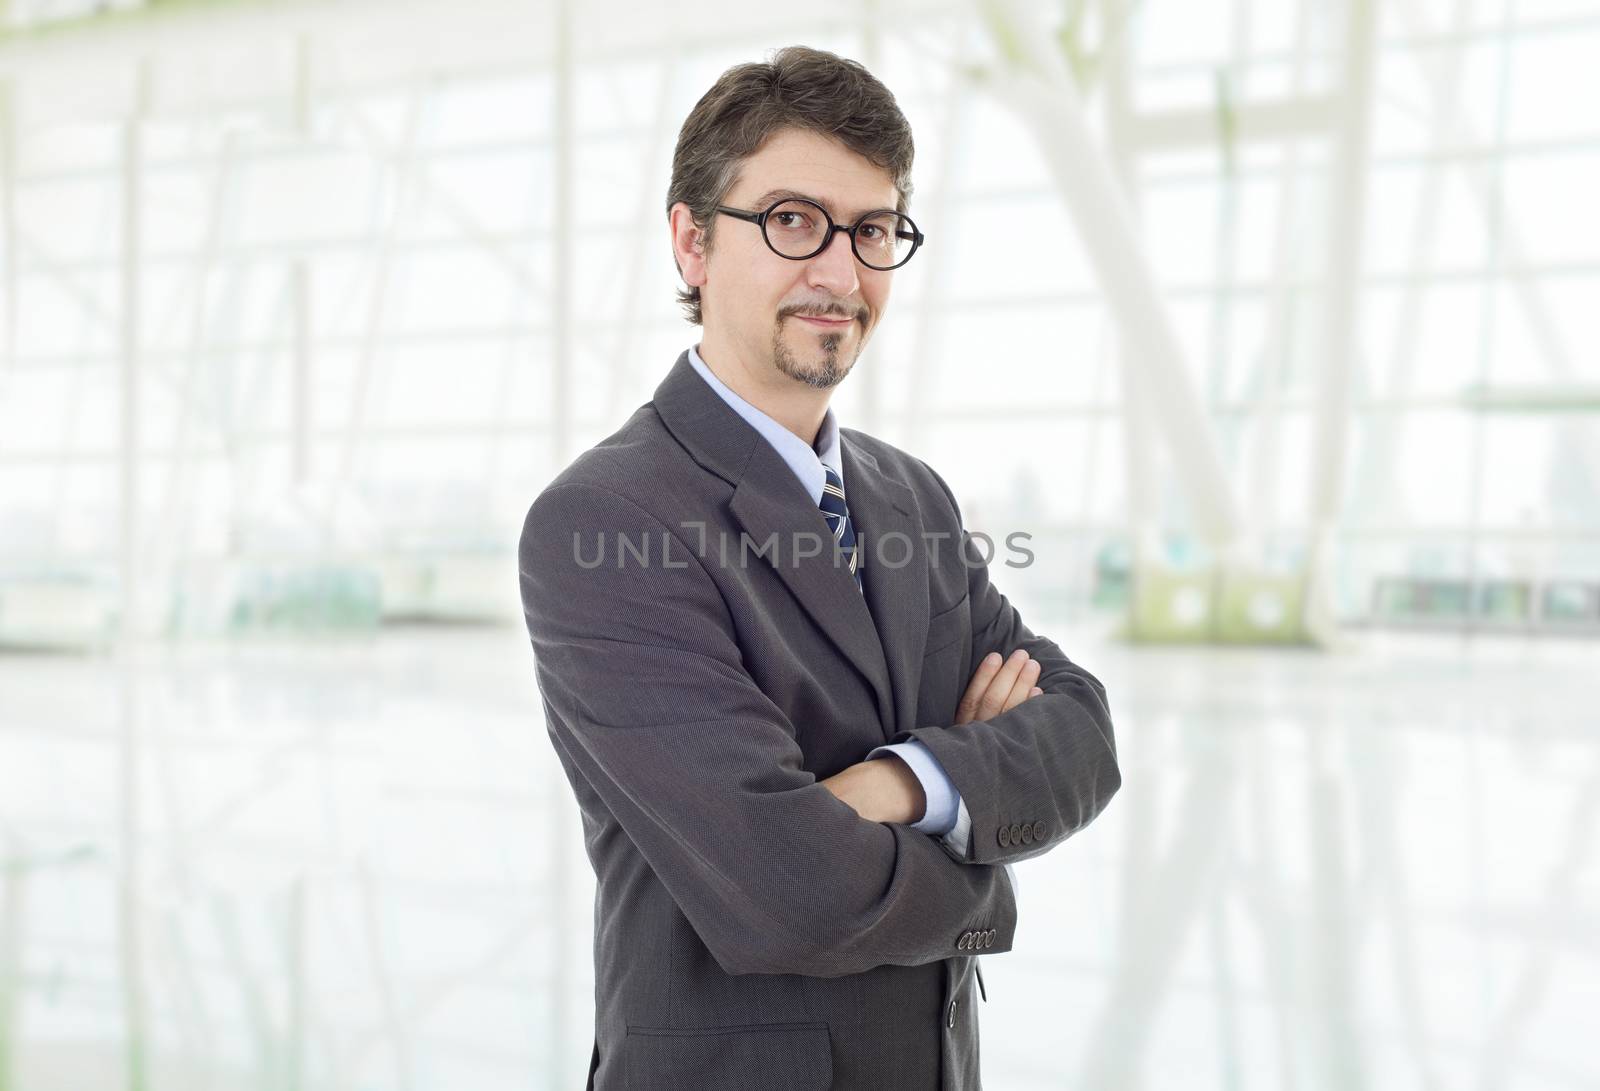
(858,313)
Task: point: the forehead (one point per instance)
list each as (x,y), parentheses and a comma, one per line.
(817,167)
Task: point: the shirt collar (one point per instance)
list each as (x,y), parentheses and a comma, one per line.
(806,462)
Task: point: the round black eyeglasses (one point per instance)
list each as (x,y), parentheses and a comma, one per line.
(799,229)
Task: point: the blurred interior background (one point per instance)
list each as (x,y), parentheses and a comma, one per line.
(1274,323)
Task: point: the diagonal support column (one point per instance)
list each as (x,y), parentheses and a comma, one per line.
(1038,86)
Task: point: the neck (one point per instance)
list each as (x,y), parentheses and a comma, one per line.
(793,404)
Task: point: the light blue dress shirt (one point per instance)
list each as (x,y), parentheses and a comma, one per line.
(946,814)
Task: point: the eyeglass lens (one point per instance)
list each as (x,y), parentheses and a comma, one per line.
(796,229)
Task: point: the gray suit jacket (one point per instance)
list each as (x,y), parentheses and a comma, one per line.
(700,674)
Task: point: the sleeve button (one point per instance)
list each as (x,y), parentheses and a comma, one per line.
(1005,837)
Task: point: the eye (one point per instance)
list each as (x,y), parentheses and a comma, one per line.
(787,218)
(869,229)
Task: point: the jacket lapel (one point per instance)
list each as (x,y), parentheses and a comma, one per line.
(768,503)
(827,593)
(887,521)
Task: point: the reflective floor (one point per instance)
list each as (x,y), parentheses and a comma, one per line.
(356,865)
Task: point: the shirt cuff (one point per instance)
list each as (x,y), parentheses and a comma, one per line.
(945,809)
(960,836)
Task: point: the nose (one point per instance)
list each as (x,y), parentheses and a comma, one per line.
(834,270)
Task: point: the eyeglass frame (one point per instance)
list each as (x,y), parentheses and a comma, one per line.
(760,220)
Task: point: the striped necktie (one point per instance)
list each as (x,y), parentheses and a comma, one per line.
(838,517)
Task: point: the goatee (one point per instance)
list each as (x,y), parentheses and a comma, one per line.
(825,373)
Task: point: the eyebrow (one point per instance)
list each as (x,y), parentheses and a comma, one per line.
(767,199)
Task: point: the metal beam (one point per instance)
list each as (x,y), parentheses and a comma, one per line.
(130,916)
(1340,310)
(8,228)
(1037,85)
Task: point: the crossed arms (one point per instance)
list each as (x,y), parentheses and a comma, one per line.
(1047,764)
(889,791)
(647,696)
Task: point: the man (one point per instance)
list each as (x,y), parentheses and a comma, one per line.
(802,735)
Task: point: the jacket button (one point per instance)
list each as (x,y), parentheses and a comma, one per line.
(964,942)
(1005,836)
(1016,834)
(988,939)
(951,1021)
(1027,835)
(1038,831)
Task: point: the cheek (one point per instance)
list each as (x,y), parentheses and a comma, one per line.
(878,299)
(764,288)
(745,277)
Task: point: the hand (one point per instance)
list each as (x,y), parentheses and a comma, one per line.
(882,790)
(998,686)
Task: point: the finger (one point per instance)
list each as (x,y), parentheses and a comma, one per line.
(1035,691)
(967,709)
(993,701)
(1025,680)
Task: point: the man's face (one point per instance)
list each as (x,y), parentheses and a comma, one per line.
(757,300)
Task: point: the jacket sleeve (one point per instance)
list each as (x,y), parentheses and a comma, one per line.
(1034,775)
(646,691)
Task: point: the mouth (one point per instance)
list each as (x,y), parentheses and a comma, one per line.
(826,323)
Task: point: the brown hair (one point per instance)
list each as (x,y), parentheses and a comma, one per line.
(797,87)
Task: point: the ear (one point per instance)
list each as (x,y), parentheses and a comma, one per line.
(688,245)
